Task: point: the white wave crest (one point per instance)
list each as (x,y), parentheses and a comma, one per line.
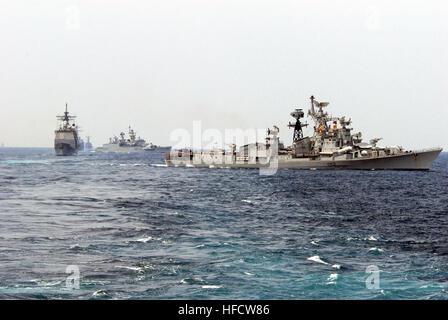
(317,259)
(130,268)
(145,239)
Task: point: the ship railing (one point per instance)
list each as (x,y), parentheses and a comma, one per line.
(426,150)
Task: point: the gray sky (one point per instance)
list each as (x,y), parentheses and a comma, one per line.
(159,65)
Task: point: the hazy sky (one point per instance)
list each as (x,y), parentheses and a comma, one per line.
(159,65)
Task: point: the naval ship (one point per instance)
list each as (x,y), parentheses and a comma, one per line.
(129,145)
(332,146)
(123,144)
(80,143)
(66,141)
(89,145)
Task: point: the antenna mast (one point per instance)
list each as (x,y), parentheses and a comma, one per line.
(298,132)
(66,118)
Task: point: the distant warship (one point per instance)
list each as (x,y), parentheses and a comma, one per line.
(66,142)
(88,145)
(80,143)
(129,145)
(332,146)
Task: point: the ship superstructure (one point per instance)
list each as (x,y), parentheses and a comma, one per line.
(332,146)
(156,148)
(66,142)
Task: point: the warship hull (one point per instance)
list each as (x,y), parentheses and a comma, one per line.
(130,149)
(158,149)
(115,148)
(64,149)
(418,160)
(65,144)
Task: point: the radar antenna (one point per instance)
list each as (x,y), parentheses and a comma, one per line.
(320,117)
(374,141)
(298,132)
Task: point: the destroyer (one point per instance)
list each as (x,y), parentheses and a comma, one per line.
(123,144)
(80,143)
(89,145)
(66,142)
(332,146)
(130,145)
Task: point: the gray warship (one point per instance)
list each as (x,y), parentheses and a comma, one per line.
(332,146)
(129,145)
(66,141)
(123,144)
(80,143)
(89,145)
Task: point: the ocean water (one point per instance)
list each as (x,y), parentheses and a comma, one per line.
(135,229)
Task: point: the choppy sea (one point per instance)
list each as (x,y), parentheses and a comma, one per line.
(110,226)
